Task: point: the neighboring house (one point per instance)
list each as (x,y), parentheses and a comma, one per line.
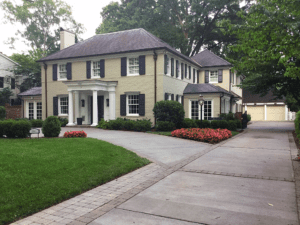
(266,108)
(7,78)
(32,98)
(123,74)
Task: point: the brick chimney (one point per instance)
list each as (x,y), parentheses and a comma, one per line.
(67,38)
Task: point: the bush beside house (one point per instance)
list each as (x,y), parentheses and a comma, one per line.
(297,124)
(15,129)
(2,113)
(125,124)
(51,127)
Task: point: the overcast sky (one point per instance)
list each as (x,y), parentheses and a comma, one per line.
(86,12)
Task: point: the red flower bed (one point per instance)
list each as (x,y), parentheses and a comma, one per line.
(205,135)
(70,134)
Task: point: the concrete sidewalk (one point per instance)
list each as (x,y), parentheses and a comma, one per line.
(245,180)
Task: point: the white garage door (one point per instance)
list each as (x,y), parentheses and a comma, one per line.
(257,113)
(274,113)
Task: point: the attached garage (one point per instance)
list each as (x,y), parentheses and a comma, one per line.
(257,112)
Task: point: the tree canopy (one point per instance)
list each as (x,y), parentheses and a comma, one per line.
(187,25)
(268,48)
(40,20)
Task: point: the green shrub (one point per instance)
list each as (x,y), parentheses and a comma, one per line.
(232,125)
(129,124)
(248,117)
(142,125)
(297,124)
(1,129)
(21,128)
(165,126)
(7,128)
(51,127)
(189,123)
(204,124)
(223,124)
(63,121)
(21,119)
(238,124)
(230,116)
(36,123)
(223,116)
(215,124)
(117,124)
(102,124)
(171,111)
(2,113)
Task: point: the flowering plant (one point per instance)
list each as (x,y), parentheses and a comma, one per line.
(70,134)
(205,135)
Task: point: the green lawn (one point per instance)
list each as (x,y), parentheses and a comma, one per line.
(38,173)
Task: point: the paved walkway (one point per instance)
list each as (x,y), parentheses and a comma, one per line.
(245,180)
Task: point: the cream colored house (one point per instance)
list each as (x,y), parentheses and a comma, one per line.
(123,74)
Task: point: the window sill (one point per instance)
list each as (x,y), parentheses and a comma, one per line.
(61,79)
(95,77)
(63,114)
(134,74)
(213,82)
(132,115)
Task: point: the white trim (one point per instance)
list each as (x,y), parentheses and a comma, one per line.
(265,112)
(286,112)
(270,104)
(249,103)
(199,108)
(260,104)
(210,82)
(92,70)
(280,103)
(59,106)
(132,74)
(34,108)
(127,105)
(58,73)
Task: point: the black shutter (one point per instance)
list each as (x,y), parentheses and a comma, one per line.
(142,65)
(142,104)
(185,71)
(206,76)
(166,64)
(123,105)
(1,82)
(13,83)
(88,69)
(55,106)
(102,68)
(54,71)
(124,67)
(194,76)
(182,100)
(182,71)
(166,96)
(69,71)
(172,97)
(172,67)
(220,76)
(190,72)
(197,76)
(177,98)
(177,64)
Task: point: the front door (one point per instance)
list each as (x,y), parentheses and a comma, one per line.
(100,108)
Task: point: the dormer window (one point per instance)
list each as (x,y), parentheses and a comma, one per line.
(133,66)
(96,69)
(62,71)
(213,76)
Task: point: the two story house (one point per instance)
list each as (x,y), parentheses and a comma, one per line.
(123,74)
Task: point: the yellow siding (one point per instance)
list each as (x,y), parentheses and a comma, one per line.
(226,78)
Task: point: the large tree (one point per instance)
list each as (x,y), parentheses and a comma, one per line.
(187,25)
(40,20)
(268,48)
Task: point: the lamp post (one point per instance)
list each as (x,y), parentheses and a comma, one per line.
(201,102)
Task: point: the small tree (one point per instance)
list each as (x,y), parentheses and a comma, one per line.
(2,112)
(5,95)
(171,111)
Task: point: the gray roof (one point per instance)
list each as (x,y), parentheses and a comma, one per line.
(249,97)
(32,91)
(204,88)
(208,59)
(113,43)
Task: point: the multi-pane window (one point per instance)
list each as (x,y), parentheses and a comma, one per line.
(96,69)
(39,110)
(62,71)
(31,110)
(213,78)
(64,106)
(133,104)
(207,110)
(179,70)
(168,65)
(194,110)
(133,66)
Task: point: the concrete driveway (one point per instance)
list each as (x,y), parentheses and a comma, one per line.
(247,179)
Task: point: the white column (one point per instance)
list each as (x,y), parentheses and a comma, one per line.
(286,112)
(95,108)
(265,111)
(112,105)
(70,101)
(245,107)
(76,105)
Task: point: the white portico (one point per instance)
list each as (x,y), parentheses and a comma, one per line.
(92,99)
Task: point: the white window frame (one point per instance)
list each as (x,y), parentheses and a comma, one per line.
(179,98)
(213,82)
(40,109)
(127,104)
(199,108)
(58,71)
(92,69)
(169,97)
(179,72)
(169,66)
(34,109)
(128,64)
(59,105)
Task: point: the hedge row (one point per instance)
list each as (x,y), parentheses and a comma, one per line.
(125,124)
(15,129)
(297,124)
